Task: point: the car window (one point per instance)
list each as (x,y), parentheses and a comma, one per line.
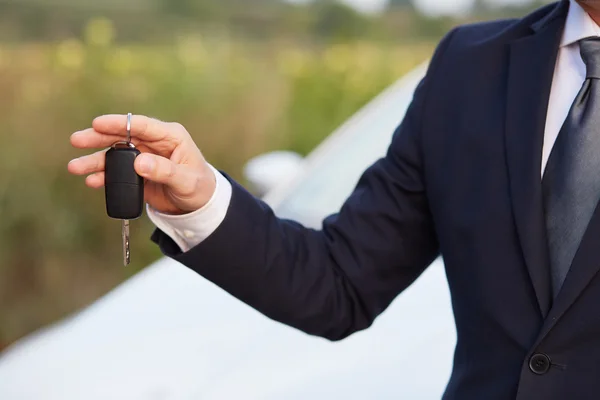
(333,174)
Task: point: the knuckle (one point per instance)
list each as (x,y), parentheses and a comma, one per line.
(191,187)
(94,165)
(178,131)
(175,133)
(177,127)
(144,126)
(195,183)
(171,170)
(90,164)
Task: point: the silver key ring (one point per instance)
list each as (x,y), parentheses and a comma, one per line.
(123,144)
(129,128)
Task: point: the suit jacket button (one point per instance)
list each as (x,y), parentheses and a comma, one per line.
(539,364)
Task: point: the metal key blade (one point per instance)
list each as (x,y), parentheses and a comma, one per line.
(125,235)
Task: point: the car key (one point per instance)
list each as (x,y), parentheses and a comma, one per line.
(124,188)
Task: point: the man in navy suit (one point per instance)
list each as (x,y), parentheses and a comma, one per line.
(496,167)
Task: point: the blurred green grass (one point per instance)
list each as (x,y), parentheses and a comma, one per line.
(58,249)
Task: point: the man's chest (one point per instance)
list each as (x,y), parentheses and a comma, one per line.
(483,159)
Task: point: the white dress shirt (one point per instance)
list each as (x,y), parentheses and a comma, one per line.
(191,229)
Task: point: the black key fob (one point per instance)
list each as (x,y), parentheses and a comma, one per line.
(124,188)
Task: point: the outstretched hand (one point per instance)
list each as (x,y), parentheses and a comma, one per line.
(178,178)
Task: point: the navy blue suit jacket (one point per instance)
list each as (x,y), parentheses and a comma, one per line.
(461,178)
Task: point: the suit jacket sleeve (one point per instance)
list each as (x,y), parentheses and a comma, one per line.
(334,281)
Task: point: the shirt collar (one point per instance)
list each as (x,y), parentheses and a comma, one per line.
(579,25)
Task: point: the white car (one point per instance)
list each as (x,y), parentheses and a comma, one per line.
(168,334)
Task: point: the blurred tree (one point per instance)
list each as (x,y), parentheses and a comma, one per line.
(338,21)
(160,21)
(400,4)
(480,7)
(179,7)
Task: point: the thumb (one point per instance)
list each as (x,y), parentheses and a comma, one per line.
(162,170)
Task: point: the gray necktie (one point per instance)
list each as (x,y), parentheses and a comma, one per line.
(571,183)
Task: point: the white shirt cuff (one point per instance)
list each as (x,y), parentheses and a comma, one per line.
(189,230)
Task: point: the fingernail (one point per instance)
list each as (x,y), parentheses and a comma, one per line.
(73,160)
(146,164)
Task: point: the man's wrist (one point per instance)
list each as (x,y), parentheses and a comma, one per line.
(189,230)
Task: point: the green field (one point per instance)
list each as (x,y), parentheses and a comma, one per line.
(58,249)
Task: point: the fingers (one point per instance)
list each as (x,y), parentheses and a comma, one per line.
(142,127)
(88,164)
(95,181)
(90,139)
(162,170)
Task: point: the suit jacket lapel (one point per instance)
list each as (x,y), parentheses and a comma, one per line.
(583,269)
(531,69)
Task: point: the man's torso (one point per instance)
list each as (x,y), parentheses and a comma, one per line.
(482,160)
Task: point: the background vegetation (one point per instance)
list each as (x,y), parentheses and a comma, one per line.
(243,80)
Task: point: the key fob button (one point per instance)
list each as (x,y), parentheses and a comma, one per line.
(124,201)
